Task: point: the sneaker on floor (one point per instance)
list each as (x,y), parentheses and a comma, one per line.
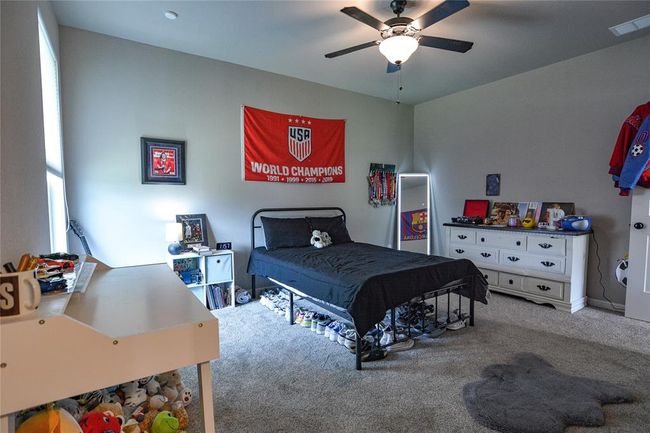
(340,337)
(401,346)
(314,322)
(299,316)
(350,339)
(334,330)
(455,326)
(307,319)
(322,324)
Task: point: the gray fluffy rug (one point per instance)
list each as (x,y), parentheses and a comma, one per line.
(531,396)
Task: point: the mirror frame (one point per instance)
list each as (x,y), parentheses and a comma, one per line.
(401,176)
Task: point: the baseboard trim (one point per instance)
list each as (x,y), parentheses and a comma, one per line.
(619,308)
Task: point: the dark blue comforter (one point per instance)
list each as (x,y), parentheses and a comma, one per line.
(365,280)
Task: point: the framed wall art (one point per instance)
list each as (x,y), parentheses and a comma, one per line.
(163,161)
(194,228)
(493,184)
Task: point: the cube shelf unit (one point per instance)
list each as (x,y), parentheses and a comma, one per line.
(216,270)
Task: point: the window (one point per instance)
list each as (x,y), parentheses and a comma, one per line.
(52,135)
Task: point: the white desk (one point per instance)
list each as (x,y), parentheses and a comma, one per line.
(130,323)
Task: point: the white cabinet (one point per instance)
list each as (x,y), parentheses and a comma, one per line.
(545,267)
(209,277)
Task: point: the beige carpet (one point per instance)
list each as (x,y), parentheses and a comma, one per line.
(273,377)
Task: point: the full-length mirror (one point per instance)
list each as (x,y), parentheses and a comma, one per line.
(413,226)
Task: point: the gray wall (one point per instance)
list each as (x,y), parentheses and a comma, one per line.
(550,133)
(24,225)
(115,91)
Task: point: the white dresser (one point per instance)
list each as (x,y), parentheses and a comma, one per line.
(543,266)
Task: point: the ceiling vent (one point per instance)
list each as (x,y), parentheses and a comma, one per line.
(631,26)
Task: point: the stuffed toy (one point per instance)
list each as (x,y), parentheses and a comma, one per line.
(150,384)
(157,401)
(320,239)
(170,392)
(185,396)
(165,422)
(147,420)
(71,406)
(101,422)
(182,417)
(114,408)
(131,426)
(51,421)
(171,378)
(133,395)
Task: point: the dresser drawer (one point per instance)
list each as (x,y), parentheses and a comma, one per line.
(511,281)
(547,245)
(492,277)
(219,268)
(538,286)
(512,241)
(463,236)
(485,255)
(538,263)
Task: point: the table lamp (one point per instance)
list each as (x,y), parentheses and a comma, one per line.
(173,234)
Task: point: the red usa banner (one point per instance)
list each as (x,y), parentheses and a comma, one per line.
(292,149)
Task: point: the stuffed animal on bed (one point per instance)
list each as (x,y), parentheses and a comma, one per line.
(320,239)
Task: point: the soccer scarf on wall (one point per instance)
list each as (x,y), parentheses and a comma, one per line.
(292,149)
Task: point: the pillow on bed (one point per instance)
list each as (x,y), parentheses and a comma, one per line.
(334,226)
(286,232)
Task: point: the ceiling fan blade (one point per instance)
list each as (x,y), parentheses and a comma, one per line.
(392,67)
(440,12)
(445,44)
(360,15)
(351,49)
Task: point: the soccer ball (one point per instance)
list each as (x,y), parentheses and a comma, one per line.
(621,272)
(637,149)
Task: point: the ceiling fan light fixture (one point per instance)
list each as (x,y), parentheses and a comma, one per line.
(398,49)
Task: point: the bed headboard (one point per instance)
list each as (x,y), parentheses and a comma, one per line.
(300,211)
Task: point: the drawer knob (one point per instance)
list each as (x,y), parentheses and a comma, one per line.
(485,276)
(545,245)
(462,237)
(482,239)
(486,255)
(511,282)
(459,251)
(218,260)
(518,243)
(543,288)
(547,264)
(513,259)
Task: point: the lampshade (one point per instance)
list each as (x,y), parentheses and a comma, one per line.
(173,232)
(398,49)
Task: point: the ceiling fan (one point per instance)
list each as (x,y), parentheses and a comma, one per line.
(400,35)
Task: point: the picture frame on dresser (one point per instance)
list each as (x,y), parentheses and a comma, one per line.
(194,228)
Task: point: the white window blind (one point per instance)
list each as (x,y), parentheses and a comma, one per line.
(53,148)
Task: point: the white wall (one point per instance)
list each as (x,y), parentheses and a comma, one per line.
(23,193)
(115,91)
(550,133)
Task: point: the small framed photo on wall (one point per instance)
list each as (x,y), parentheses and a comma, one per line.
(194,228)
(163,161)
(493,184)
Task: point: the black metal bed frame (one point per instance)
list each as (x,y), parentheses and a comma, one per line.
(447,289)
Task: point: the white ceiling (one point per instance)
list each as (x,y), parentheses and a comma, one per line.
(291,37)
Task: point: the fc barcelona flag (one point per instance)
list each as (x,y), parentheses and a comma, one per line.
(414,225)
(291,148)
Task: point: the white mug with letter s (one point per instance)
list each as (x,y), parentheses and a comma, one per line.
(20,294)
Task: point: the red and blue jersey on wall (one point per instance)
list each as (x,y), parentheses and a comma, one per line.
(636,162)
(628,133)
